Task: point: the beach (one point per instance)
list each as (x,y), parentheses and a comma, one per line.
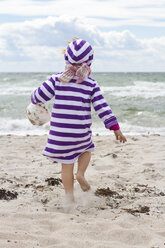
(125,207)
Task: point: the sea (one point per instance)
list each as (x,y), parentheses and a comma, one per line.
(136,99)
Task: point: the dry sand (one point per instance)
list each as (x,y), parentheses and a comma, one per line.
(132,215)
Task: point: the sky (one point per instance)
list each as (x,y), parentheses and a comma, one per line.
(126,35)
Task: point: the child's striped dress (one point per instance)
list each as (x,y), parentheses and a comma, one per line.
(70,124)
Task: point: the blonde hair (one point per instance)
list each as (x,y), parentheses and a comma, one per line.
(69,41)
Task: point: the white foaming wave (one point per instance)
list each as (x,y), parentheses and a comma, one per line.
(141,89)
(16,90)
(21,127)
(139,130)
(5,79)
(129,129)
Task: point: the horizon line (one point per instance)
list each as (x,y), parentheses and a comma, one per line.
(92,72)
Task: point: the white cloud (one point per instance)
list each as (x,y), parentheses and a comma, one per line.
(36,46)
(122,40)
(139,12)
(48,32)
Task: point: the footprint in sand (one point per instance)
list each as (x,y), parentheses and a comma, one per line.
(148,164)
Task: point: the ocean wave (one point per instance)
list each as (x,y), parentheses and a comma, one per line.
(140,89)
(129,129)
(24,127)
(21,127)
(16,90)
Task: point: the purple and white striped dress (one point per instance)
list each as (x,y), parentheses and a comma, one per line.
(70,133)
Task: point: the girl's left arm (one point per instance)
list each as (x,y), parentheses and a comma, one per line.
(45,92)
(102,109)
(105,113)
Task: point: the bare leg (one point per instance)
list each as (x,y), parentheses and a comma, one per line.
(83,162)
(68,181)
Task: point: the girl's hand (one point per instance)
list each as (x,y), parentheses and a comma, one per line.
(120,136)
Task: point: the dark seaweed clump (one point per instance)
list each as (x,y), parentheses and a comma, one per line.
(107,192)
(7,195)
(53,181)
(141,209)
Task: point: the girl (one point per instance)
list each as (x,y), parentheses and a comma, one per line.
(70,134)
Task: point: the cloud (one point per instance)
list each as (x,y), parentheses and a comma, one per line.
(36,45)
(124,40)
(48,33)
(102,13)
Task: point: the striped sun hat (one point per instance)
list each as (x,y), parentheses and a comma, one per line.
(79,51)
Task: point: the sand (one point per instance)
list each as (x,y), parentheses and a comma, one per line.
(128,211)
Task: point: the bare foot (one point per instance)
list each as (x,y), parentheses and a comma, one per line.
(70,198)
(69,204)
(83,183)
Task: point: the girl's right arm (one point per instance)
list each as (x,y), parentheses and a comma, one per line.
(45,92)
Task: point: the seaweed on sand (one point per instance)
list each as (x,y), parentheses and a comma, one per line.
(7,195)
